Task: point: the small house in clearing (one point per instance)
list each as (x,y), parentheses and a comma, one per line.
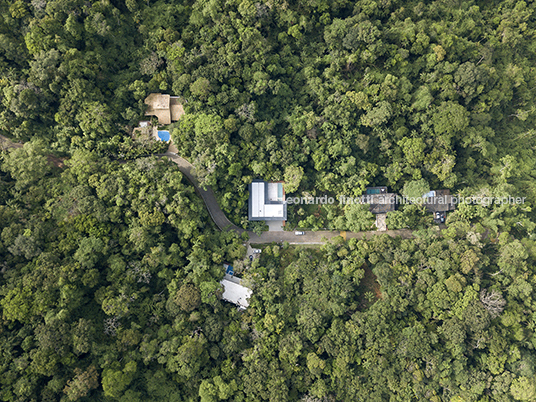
(439,202)
(380,200)
(166,108)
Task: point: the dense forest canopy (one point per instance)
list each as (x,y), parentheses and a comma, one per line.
(353,93)
(110,264)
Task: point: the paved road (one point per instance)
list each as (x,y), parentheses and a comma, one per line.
(321,236)
(219,218)
(207,195)
(6,143)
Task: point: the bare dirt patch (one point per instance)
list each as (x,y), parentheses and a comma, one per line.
(368,284)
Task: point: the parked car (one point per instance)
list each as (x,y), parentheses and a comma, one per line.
(257,251)
(299,233)
(440,216)
(251,258)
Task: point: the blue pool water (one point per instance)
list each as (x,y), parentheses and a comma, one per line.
(164,135)
(371,191)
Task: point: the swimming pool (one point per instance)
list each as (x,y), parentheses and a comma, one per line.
(372,191)
(163,135)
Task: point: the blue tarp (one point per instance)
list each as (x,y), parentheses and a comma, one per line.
(229,270)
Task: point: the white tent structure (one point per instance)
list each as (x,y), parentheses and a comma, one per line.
(234,292)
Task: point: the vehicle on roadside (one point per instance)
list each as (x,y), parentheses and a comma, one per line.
(440,216)
(299,233)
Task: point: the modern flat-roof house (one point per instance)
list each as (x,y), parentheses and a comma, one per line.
(234,292)
(267,201)
(439,202)
(166,108)
(380,200)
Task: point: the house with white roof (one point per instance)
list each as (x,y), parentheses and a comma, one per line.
(234,292)
(267,201)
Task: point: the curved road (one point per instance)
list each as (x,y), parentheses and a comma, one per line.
(6,143)
(207,195)
(221,221)
(219,218)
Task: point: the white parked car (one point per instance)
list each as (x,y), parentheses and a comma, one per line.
(257,251)
(299,233)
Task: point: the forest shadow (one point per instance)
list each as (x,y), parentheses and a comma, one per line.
(368,284)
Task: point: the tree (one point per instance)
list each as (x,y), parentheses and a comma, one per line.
(329,94)
(492,301)
(416,188)
(468,77)
(25,245)
(378,115)
(188,359)
(293,176)
(413,149)
(188,298)
(523,389)
(89,251)
(449,119)
(358,217)
(477,318)
(82,383)
(200,88)
(208,391)
(315,365)
(27,165)
(397,220)
(82,336)
(115,381)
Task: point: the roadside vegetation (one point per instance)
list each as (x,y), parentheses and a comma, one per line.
(110,264)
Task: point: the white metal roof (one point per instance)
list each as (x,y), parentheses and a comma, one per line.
(235,293)
(258,207)
(257,200)
(273,211)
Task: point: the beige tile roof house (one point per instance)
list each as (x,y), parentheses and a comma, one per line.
(166,108)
